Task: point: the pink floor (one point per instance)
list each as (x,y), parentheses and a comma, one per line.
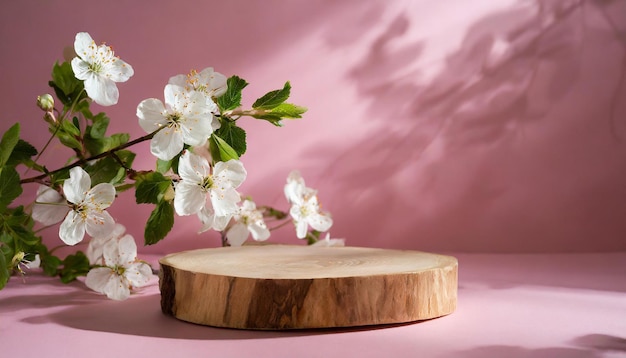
(510,305)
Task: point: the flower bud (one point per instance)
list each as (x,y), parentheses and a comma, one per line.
(49,117)
(45,102)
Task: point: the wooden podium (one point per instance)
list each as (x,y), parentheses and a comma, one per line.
(275,287)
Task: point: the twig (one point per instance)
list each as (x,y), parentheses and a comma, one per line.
(86,160)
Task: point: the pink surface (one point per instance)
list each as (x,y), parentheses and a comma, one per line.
(432,125)
(514,306)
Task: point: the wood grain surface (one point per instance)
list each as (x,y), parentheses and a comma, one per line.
(275,287)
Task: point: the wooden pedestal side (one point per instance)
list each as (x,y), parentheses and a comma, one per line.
(275,287)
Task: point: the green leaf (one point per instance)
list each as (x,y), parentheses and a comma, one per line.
(97,146)
(162,166)
(220,150)
(70,128)
(99,127)
(10,187)
(22,152)
(274,98)
(76,123)
(68,134)
(4,270)
(288,110)
(232,98)
(8,142)
(159,223)
(66,86)
(6,238)
(109,170)
(63,77)
(49,263)
(150,187)
(17,226)
(283,110)
(74,266)
(233,135)
(59,177)
(272,118)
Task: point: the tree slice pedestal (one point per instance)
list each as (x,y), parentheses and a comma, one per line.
(274,287)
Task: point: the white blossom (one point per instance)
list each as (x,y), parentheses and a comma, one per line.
(96,244)
(19,261)
(99,68)
(215,191)
(328,242)
(50,207)
(207,81)
(185,118)
(248,221)
(121,272)
(211,221)
(88,208)
(305,208)
(295,186)
(36,263)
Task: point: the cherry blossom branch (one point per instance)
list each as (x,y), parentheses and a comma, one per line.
(86,160)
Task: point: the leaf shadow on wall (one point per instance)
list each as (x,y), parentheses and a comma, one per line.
(425,178)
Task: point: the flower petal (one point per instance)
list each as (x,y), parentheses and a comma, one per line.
(248,206)
(225,201)
(189,198)
(101,89)
(96,244)
(237,234)
(80,68)
(98,223)
(320,222)
(111,253)
(330,243)
(138,274)
(72,229)
(76,187)
(294,187)
(193,168)
(117,288)
(152,114)
(98,278)
(178,80)
(210,221)
(259,231)
(118,70)
(36,263)
(100,196)
(231,171)
(127,250)
(84,46)
(94,250)
(175,96)
(196,130)
(220,222)
(50,207)
(167,143)
(216,82)
(301,229)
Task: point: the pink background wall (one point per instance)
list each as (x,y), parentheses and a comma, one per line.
(432,125)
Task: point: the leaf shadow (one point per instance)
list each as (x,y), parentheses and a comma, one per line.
(509,71)
(142,316)
(520,352)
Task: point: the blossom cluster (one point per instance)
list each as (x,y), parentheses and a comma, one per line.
(199,172)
